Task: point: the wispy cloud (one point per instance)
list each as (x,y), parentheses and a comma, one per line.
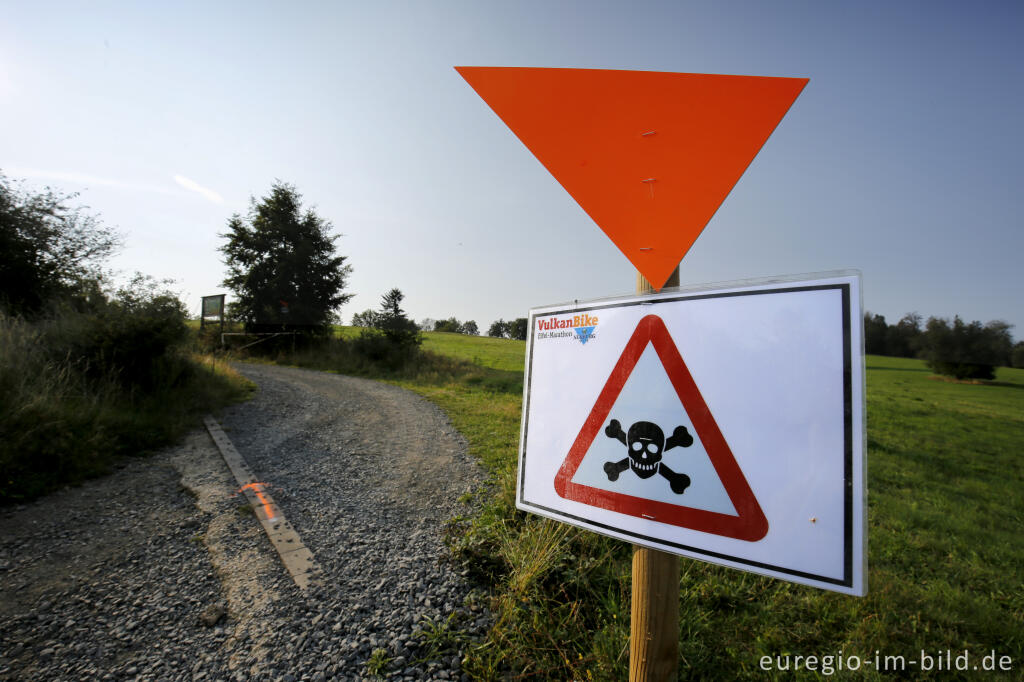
(84,179)
(196,187)
(96,181)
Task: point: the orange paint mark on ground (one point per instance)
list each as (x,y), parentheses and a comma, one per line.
(257,488)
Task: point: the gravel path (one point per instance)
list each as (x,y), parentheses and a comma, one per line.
(158,571)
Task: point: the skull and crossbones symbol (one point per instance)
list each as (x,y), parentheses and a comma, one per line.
(646,443)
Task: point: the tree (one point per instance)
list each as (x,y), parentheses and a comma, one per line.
(451,325)
(469,327)
(875,332)
(1017,355)
(966,351)
(391,320)
(904,338)
(367,318)
(498,329)
(282,264)
(427,324)
(518,328)
(48,250)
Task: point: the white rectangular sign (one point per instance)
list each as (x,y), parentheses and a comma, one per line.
(724,424)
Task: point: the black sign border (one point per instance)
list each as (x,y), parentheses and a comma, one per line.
(844,287)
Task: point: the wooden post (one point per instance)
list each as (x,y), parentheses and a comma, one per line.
(654,621)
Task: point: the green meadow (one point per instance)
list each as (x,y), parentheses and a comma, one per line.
(946,561)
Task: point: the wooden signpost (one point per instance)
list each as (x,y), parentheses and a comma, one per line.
(654,599)
(650,156)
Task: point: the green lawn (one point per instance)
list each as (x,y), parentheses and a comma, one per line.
(946,520)
(504,354)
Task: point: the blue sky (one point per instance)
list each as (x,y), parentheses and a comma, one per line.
(902,157)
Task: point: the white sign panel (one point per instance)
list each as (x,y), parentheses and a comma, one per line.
(723,424)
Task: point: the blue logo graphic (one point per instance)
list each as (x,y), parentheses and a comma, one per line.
(584,333)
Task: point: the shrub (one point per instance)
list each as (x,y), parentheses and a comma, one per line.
(389,352)
(79,389)
(965,351)
(127,338)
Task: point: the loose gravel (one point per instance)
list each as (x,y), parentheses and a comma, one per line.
(160,572)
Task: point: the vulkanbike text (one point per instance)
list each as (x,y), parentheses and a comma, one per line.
(575,321)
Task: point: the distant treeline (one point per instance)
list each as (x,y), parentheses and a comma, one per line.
(954,347)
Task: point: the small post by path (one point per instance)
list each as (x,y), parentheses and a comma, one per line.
(654,620)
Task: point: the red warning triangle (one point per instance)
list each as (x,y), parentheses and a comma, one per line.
(650,156)
(749,523)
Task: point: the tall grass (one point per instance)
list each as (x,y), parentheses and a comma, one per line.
(72,401)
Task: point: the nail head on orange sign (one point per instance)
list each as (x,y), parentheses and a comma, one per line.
(582,125)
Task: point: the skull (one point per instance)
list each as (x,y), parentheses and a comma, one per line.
(645,442)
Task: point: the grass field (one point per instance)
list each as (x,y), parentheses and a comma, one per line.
(946,519)
(946,561)
(503,354)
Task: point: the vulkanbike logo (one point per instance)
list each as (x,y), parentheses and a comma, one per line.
(579,326)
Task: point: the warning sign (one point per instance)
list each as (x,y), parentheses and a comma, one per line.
(723,424)
(702,506)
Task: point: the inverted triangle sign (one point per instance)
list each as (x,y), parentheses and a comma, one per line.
(650,156)
(749,523)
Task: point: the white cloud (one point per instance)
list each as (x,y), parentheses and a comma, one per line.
(196,187)
(84,179)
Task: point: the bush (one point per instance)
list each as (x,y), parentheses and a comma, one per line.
(126,339)
(965,351)
(388,352)
(79,389)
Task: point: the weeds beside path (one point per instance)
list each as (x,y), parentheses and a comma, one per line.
(67,413)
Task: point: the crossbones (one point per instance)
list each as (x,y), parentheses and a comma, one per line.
(646,442)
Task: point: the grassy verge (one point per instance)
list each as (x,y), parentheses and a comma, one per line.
(945,516)
(61,423)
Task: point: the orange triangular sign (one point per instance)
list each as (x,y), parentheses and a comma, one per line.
(650,156)
(743,519)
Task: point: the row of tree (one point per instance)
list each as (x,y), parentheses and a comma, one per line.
(513,329)
(966,350)
(285,273)
(499,329)
(451,325)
